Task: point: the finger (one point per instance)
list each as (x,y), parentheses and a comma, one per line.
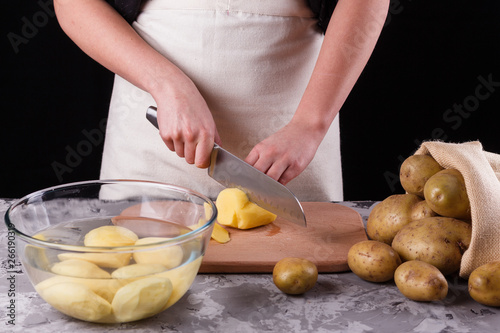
(252,157)
(203,153)
(179,148)
(287,176)
(217,138)
(263,164)
(170,145)
(168,141)
(190,151)
(277,170)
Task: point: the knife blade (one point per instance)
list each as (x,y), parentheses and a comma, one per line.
(231,171)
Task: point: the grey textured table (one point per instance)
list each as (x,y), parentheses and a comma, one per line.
(251,303)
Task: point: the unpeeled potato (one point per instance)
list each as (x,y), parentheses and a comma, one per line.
(484,284)
(446,194)
(420,281)
(373,261)
(415,171)
(439,241)
(295,276)
(390,216)
(421,210)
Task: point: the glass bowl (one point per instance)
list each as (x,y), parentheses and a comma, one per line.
(112,251)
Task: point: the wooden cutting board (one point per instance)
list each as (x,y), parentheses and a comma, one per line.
(331,230)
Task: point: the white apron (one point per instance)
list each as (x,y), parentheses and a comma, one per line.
(251,60)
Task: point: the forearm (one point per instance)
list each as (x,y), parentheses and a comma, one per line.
(348,44)
(106,37)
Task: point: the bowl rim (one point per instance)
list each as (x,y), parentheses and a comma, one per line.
(111,249)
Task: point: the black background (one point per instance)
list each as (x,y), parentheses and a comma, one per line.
(431,58)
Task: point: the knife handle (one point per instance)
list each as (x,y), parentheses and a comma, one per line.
(151,115)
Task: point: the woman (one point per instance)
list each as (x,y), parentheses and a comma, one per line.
(257,77)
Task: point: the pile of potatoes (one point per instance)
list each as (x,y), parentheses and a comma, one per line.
(418,238)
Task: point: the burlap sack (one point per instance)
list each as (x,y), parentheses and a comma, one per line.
(481,171)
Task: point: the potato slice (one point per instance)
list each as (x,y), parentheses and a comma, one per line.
(220,234)
(169,257)
(37,256)
(137,270)
(106,288)
(181,277)
(237,211)
(108,260)
(79,268)
(110,235)
(141,299)
(76,300)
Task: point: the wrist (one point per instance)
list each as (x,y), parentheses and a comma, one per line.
(163,80)
(313,123)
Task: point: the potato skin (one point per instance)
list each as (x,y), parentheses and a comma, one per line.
(390,216)
(373,261)
(420,281)
(415,171)
(295,276)
(484,284)
(446,194)
(421,210)
(439,241)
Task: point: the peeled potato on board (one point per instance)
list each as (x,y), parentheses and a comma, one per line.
(220,234)
(237,211)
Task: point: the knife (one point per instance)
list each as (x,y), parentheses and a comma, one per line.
(230,171)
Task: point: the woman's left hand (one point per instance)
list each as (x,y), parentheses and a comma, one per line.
(286,153)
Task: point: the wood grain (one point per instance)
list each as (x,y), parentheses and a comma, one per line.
(331,230)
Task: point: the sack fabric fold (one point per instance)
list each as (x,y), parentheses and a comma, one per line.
(481,172)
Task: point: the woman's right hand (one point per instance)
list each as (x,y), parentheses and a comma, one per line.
(185,121)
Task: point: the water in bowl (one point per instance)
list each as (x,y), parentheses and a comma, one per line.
(179,267)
